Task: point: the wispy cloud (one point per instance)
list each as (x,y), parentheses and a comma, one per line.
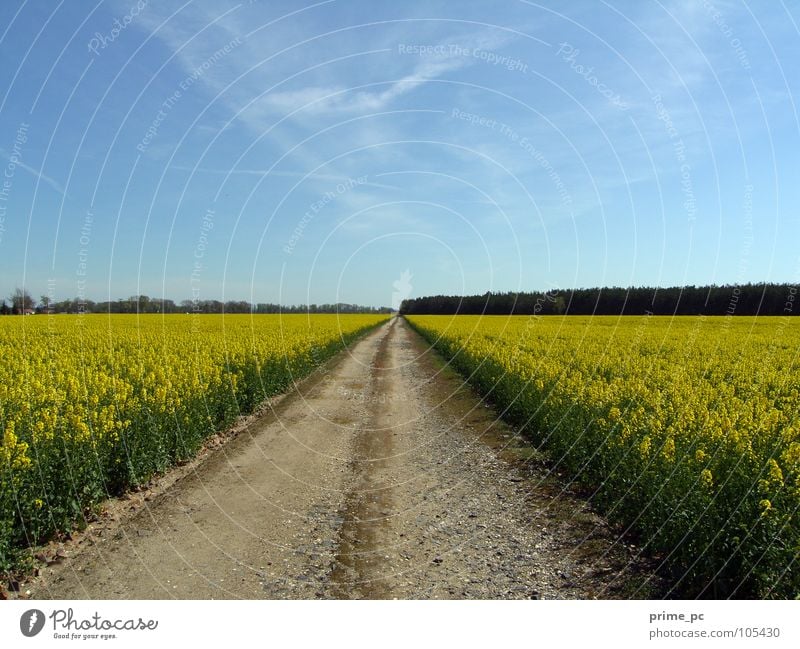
(262,173)
(315,100)
(308,76)
(321,88)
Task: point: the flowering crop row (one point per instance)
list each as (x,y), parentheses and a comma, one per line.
(91,405)
(686,430)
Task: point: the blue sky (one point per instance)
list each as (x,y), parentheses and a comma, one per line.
(291,152)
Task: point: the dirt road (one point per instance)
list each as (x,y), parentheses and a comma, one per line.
(382,476)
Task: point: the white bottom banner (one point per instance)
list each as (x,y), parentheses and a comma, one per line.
(401,623)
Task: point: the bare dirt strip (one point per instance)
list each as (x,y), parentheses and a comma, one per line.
(381,476)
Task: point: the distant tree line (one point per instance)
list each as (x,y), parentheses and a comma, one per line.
(744,299)
(21,302)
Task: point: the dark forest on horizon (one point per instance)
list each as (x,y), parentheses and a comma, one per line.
(744,299)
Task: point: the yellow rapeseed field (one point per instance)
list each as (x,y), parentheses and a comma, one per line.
(93,404)
(685,430)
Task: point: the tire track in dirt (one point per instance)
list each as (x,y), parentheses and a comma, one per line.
(364,517)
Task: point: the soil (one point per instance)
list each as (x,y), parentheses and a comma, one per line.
(383,475)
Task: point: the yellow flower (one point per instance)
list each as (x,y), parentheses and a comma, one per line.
(668,452)
(774,472)
(644,446)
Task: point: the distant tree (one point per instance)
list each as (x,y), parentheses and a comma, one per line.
(4,308)
(233,306)
(139,303)
(21,300)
